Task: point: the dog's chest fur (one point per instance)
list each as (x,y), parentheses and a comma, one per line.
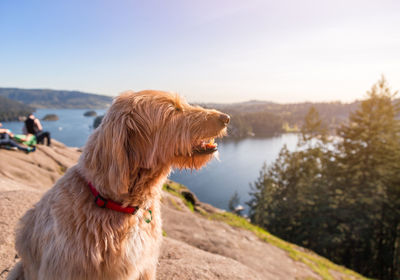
(140,248)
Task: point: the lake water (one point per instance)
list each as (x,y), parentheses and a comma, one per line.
(239,164)
(239,161)
(72,128)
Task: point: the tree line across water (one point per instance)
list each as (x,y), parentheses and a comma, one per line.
(261,118)
(340,197)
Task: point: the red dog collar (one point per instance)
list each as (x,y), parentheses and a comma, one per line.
(107,203)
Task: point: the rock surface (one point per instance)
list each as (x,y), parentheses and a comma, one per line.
(194,247)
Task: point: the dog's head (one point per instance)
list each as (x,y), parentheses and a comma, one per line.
(149,130)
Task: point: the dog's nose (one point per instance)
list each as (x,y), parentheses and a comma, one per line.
(224,118)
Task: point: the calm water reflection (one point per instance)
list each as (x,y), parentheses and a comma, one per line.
(240,163)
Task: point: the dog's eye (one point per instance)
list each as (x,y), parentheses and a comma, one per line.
(178,109)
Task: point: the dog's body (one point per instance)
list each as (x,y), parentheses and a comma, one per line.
(67,236)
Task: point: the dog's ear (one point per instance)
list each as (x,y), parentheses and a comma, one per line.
(142,144)
(120,166)
(107,155)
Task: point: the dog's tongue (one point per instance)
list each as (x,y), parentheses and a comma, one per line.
(206,147)
(209,145)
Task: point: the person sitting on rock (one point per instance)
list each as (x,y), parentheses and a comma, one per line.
(6,141)
(33,126)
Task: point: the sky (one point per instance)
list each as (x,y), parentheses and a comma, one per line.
(207,50)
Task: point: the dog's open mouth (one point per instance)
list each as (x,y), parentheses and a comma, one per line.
(208,146)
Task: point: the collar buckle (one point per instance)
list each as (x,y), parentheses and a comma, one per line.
(100,201)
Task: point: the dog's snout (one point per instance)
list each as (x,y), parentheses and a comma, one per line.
(224,118)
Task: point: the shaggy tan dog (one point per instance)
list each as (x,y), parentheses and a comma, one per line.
(68,236)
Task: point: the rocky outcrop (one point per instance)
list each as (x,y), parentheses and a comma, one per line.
(50,117)
(90,113)
(97,121)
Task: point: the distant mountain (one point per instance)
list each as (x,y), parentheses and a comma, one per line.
(62,99)
(11,110)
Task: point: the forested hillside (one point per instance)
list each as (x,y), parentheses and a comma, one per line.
(11,110)
(261,118)
(45,98)
(340,196)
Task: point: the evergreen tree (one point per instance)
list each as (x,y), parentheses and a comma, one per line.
(340,199)
(313,127)
(370,157)
(234,201)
